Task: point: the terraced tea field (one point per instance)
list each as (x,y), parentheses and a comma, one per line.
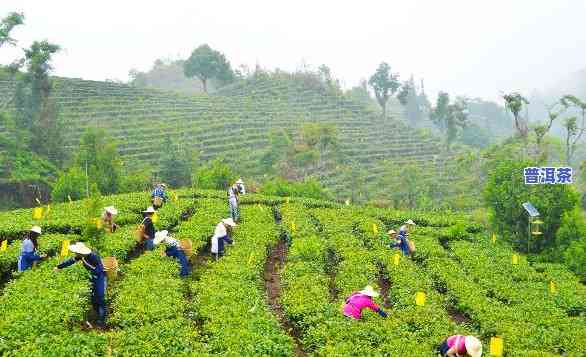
(233,123)
(279,289)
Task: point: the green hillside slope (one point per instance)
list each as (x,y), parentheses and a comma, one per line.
(233,122)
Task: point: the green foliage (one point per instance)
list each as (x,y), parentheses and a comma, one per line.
(91,232)
(506,191)
(310,188)
(449,117)
(167,74)
(215,175)
(69,184)
(385,84)
(135,180)
(475,136)
(206,63)
(7,24)
(99,155)
(177,164)
(515,102)
(575,257)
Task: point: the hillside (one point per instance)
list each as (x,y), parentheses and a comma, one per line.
(233,122)
(279,289)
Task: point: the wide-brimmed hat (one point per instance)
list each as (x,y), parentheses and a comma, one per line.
(80,248)
(149,210)
(111,209)
(229,221)
(369,291)
(164,185)
(410,222)
(160,236)
(240,181)
(36,229)
(392,231)
(473,346)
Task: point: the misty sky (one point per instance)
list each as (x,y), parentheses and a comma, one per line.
(473,47)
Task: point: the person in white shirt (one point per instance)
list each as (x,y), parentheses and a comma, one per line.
(222,235)
(241,188)
(233,202)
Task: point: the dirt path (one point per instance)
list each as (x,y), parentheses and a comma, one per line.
(458,316)
(272,278)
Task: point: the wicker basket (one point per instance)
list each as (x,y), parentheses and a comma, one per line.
(111,267)
(187,247)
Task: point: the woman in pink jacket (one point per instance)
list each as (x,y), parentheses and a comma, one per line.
(362,300)
(460,346)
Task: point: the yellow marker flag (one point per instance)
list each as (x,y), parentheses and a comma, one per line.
(496,346)
(493,238)
(552,287)
(64,248)
(250,259)
(420,298)
(4,245)
(515,259)
(175,198)
(155,217)
(98,223)
(396,259)
(37,212)
(293,227)
(374,228)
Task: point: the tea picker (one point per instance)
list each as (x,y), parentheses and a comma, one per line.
(403,242)
(233,202)
(173,250)
(461,346)
(27,250)
(148,228)
(93,263)
(108,218)
(361,300)
(240,186)
(221,235)
(159,196)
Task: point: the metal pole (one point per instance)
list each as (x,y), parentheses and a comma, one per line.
(528,235)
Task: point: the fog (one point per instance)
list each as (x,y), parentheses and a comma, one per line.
(473,48)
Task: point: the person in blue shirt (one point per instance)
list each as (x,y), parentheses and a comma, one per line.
(402,239)
(159,196)
(93,263)
(28,250)
(173,250)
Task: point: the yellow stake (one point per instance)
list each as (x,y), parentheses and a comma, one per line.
(37,212)
(155,217)
(293,227)
(64,248)
(515,259)
(420,298)
(396,259)
(496,346)
(552,287)
(98,223)
(4,245)
(250,259)
(374,228)
(493,238)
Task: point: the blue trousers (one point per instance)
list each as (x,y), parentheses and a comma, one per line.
(180,256)
(26,260)
(234,211)
(99,283)
(149,244)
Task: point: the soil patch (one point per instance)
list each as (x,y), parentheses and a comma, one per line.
(272,278)
(458,316)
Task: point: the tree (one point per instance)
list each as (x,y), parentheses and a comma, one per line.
(216,175)
(177,164)
(541,130)
(385,84)
(514,102)
(320,137)
(206,63)
(98,156)
(449,117)
(409,98)
(572,130)
(7,24)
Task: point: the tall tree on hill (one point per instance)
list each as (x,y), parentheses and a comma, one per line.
(7,24)
(515,102)
(206,63)
(449,117)
(385,84)
(408,97)
(35,111)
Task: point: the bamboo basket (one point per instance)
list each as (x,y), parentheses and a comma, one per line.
(111,267)
(187,247)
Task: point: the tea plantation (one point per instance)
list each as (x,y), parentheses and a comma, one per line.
(234,122)
(280,287)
